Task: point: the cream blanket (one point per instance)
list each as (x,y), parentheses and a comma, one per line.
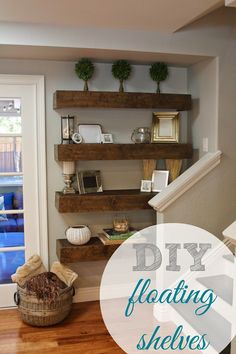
(65,274)
(34,266)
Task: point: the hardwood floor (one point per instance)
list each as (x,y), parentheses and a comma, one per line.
(83,332)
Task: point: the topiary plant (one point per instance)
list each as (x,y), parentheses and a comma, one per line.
(121,70)
(159,72)
(84,69)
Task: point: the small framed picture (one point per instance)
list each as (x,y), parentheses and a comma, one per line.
(159,180)
(146,185)
(89,182)
(165,127)
(107,138)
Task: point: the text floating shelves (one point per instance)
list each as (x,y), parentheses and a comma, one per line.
(94,99)
(74,152)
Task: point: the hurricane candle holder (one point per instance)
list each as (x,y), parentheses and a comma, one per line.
(67,129)
(68,173)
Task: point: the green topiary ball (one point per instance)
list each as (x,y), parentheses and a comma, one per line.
(159,72)
(121,70)
(84,69)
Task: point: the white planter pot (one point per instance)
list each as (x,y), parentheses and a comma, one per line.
(78,234)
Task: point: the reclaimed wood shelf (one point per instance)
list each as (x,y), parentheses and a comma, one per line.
(74,152)
(111,200)
(94,99)
(94,250)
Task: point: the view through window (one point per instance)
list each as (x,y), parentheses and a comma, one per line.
(12,245)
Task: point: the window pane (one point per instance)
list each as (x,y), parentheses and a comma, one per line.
(10,183)
(10,154)
(10,125)
(11,199)
(11,239)
(9,262)
(10,116)
(11,223)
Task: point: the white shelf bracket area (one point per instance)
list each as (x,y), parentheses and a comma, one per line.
(185,181)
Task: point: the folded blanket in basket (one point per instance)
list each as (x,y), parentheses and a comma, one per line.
(33,266)
(65,274)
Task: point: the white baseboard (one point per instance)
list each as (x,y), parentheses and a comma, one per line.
(86,294)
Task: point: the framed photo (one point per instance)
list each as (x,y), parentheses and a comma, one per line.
(90,133)
(107,138)
(146,185)
(89,182)
(165,127)
(159,180)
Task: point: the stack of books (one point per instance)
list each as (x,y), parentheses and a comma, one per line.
(112,237)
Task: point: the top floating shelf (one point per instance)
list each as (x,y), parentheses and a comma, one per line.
(94,99)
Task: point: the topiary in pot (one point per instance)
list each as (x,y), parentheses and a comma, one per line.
(159,72)
(121,70)
(84,69)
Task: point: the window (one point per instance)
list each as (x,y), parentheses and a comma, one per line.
(11,189)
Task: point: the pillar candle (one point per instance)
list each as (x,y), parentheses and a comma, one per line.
(68,168)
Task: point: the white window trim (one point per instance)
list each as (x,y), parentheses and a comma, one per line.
(38,82)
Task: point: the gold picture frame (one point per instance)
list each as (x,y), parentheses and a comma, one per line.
(165,127)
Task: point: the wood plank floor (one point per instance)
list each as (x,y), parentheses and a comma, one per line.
(83,332)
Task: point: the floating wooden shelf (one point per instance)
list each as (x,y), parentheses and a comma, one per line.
(94,99)
(94,250)
(113,200)
(73,152)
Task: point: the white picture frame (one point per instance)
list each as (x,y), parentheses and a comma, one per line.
(107,138)
(159,180)
(90,133)
(146,185)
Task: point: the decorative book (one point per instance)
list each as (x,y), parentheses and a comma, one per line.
(106,241)
(114,235)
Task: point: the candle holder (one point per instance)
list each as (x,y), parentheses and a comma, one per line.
(120,224)
(68,173)
(68,189)
(67,129)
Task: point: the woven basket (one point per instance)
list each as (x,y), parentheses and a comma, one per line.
(38,312)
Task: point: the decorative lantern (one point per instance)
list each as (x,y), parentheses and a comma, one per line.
(67,129)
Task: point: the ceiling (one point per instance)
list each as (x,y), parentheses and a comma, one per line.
(149,15)
(98,55)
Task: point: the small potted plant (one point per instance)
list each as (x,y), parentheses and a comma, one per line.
(84,69)
(121,70)
(159,72)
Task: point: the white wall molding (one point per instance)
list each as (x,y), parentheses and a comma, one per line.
(185,181)
(87,294)
(231,3)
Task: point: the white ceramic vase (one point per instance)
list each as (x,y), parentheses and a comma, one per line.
(78,234)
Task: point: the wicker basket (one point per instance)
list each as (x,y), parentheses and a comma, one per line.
(39,313)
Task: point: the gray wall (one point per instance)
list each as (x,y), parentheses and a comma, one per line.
(120,122)
(211,204)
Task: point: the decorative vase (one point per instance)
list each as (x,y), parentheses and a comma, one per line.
(78,234)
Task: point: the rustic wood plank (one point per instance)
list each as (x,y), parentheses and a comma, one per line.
(73,152)
(94,250)
(68,99)
(113,200)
